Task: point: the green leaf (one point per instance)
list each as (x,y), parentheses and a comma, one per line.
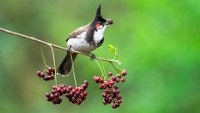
(111,48)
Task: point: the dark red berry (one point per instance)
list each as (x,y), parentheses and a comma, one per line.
(114,106)
(103,95)
(124,72)
(104,102)
(113,78)
(110,21)
(85,93)
(112,82)
(85,82)
(48,72)
(47,94)
(70,87)
(51,77)
(117,80)
(40,74)
(118,97)
(101,80)
(54,87)
(85,86)
(118,75)
(110,73)
(119,101)
(116,87)
(123,79)
(46,78)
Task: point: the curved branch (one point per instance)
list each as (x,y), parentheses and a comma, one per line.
(50,44)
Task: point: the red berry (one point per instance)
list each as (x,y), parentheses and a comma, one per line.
(101,80)
(48,72)
(113,78)
(73,91)
(114,106)
(116,87)
(110,73)
(124,72)
(47,94)
(119,97)
(119,101)
(70,87)
(85,86)
(54,87)
(38,73)
(52,77)
(104,102)
(123,79)
(118,75)
(117,80)
(112,82)
(110,21)
(103,95)
(85,93)
(46,78)
(85,82)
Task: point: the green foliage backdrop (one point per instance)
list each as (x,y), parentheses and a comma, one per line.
(158,41)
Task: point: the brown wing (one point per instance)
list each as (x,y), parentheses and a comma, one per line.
(77,32)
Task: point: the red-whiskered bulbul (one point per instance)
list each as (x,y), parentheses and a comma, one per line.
(84,39)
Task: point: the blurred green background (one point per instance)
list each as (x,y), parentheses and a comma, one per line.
(158,42)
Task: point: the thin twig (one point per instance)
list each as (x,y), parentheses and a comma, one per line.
(43,58)
(54,64)
(73,69)
(53,45)
(101,69)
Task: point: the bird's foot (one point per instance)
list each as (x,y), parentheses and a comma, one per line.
(92,56)
(69,50)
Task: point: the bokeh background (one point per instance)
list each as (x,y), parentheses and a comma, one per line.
(158,42)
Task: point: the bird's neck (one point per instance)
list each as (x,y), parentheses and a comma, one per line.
(99,34)
(94,36)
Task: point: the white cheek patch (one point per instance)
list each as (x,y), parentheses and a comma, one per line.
(100,27)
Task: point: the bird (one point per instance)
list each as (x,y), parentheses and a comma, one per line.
(84,39)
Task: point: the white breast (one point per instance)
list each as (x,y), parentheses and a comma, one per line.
(98,35)
(80,44)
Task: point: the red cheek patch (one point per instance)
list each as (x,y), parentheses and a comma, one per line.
(98,25)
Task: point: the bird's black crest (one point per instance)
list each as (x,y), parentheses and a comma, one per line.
(98,18)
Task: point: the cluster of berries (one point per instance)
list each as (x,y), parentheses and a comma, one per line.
(111,92)
(56,92)
(47,75)
(77,95)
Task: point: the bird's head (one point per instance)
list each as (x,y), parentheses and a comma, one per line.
(99,22)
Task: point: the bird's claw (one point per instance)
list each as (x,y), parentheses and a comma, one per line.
(92,56)
(69,50)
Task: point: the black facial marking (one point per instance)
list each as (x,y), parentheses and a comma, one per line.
(98,18)
(89,36)
(100,42)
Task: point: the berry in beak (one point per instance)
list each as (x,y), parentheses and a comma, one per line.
(110,21)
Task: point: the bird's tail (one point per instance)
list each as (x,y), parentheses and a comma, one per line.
(66,65)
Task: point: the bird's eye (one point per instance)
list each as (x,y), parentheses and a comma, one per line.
(98,25)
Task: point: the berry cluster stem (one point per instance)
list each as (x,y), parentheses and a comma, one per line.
(102,72)
(54,64)
(43,58)
(103,69)
(73,70)
(116,68)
